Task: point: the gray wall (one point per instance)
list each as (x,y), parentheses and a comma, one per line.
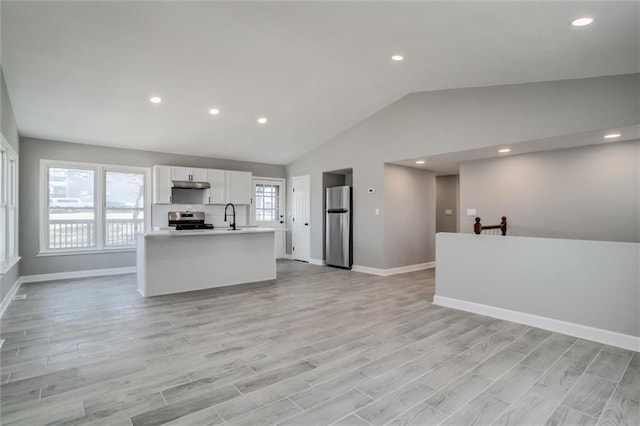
(33,150)
(592,283)
(589,193)
(447,198)
(410,223)
(10,132)
(438,122)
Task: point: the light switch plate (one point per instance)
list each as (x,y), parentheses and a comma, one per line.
(448,212)
(471,212)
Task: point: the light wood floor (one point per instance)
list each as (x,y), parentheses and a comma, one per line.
(317,346)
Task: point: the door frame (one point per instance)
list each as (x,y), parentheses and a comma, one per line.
(283,203)
(308,201)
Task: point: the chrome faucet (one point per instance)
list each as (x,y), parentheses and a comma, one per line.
(233,213)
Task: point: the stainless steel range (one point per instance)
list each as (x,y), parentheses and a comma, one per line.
(188,220)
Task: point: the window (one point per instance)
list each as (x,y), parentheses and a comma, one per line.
(124,208)
(8,206)
(92,207)
(267,202)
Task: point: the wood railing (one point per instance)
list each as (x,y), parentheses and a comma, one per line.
(496,229)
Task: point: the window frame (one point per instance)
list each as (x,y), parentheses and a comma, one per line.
(254,203)
(9,202)
(100,171)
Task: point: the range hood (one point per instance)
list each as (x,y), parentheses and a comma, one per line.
(187,184)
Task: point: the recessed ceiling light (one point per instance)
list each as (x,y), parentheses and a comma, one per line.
(155,99)
(262,120)
(612,135)
(397,57)
(214,111)
(420,162)
(582,21)
(504,150)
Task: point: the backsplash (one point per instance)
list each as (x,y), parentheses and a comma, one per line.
(213,214)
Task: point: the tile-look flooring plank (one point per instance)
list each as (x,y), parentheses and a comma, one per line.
(419,415)
(301,349)
(564,416)
(386,408)
(458,393)
(268,415)
(482,410)
(628,387)
(609,366)
(620,411)
(330,411)
(590,394)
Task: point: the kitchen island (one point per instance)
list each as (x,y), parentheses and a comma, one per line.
(172,261)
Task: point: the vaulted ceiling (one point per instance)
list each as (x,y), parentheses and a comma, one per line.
(85,71)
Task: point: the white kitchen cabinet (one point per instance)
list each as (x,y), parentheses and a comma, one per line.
(238,187)
(162,184)
(180,173)
(227,186)
(199,175)
(217,193)
(188,174)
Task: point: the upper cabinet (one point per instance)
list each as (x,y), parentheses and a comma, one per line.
(162,177)
(238,186)
(217,194)
(189,174)
(227,186)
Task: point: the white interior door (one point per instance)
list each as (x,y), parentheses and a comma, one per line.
(300,218)
(269,207)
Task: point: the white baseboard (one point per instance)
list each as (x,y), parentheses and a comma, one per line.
(393,271)
(9,296)
(77,274)
(572,329)
(316,261)
(288,256)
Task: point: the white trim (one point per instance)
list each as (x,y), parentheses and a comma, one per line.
(289,256)
(599,335)
(77,274)
(10,263)
(9,296)
(313,261)
(77,252)
(393,271)
(99,190)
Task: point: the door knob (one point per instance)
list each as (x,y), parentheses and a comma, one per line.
(306,224)
(282,221)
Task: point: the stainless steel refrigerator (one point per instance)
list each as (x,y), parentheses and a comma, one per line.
(338,227)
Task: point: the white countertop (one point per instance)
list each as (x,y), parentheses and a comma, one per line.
(216,231)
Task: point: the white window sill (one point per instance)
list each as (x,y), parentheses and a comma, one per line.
(78,252)
(10,263)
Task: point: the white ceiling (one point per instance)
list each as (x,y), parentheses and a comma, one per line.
(84,71)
